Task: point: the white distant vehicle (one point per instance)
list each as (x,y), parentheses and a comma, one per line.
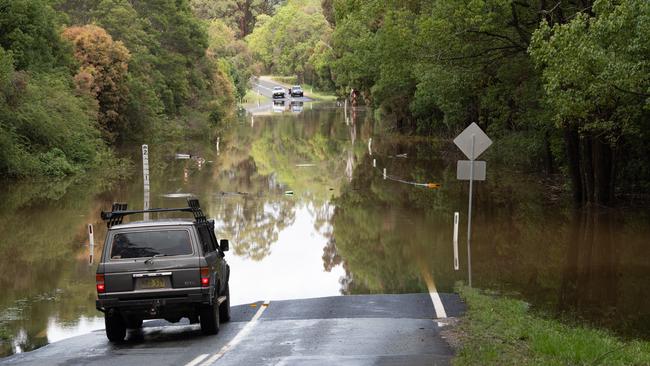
(278,92)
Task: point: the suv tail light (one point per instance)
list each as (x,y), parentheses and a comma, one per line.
(101,288)
(205,277)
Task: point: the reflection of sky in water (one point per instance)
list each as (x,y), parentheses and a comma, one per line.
(293,269)
(57,331)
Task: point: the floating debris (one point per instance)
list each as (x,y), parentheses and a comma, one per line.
(288,193)
(233,193)
(178,195)
(305,165)
(183,156)
(403,156)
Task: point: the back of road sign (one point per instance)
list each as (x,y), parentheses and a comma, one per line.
(463,170)
(464,141)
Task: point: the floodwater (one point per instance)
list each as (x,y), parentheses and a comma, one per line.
(308,215)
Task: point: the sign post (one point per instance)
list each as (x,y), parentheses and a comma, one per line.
(472,142)
(145,178)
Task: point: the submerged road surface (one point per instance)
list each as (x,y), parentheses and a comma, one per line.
(342,330)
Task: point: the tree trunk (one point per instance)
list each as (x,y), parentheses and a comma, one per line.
(572,144)
(587,167)
(548,154)
(602,168)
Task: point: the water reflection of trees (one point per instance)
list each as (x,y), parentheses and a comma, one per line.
(261,164)
(44,273)
(589,263)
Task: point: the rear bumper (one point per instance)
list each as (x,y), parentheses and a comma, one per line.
(163,299)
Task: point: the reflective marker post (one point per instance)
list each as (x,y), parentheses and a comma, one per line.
(456,219)
(91,243)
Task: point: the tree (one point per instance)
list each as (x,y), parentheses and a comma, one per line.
(285,42)
(102,74)
(597,80)
(240,15)
(29,30)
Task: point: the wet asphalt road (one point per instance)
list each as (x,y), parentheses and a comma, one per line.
(342,330)
(265,87)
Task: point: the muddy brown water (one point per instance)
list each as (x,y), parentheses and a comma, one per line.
(308,216)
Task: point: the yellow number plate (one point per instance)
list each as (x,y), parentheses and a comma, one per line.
(152,282)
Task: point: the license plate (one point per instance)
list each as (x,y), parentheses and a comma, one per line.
(152,282)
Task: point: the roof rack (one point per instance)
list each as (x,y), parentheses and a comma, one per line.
(118,211)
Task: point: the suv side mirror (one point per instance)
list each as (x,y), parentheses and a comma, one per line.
(224,245)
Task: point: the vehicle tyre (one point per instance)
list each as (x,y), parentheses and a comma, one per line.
(224,308)
(115,328)
(209,319)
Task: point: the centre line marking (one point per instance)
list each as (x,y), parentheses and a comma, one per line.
(242,333)
(198,359)
(435,298)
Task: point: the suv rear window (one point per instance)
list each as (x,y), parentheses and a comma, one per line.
(150,243)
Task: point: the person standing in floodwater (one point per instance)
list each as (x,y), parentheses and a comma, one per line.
(353,97)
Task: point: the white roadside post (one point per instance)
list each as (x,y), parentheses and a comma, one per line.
(472,142)
(456,219)
(91,244)
(145,178)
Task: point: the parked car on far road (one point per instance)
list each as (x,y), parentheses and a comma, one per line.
(296,91)
(278,92)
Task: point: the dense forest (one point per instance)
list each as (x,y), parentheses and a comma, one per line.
(79,78)
(563,87)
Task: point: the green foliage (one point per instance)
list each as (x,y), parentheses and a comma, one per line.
(29,30)
(238,15)
(435,67)
(595,68)
(294,42)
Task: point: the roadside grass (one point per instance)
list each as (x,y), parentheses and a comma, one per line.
(503,331)
(309,90)
(252,97)
(4,334)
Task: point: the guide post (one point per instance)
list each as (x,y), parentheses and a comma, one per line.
(145,178)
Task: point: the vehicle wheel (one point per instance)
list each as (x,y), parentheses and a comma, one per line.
(209,319)
(224,308)
(115,328)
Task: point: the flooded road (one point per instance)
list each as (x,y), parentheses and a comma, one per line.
(308,215)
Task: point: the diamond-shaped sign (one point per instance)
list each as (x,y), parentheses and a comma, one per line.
(464,141)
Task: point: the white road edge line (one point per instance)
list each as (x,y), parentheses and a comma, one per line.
(198,359)
(435,298)
(242,333)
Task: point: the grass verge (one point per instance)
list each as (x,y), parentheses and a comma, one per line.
(503,331)
(252,97)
